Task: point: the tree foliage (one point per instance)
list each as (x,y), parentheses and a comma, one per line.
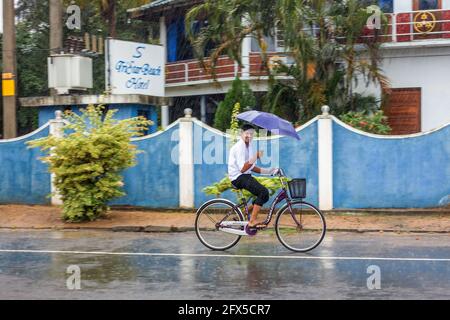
(373,123)
(32,34)
(240,92)
(325,40)
(87,162)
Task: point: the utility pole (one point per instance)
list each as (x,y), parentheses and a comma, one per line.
(56,26)
(9,71)
(56,30)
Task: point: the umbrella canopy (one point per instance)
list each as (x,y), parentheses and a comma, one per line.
(270,122)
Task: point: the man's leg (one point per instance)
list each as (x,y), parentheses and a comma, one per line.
(253,219)
(262,194)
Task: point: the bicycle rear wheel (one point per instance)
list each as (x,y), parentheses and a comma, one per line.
(300,227)
(208,220)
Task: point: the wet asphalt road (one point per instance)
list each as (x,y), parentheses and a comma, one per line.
(257,268)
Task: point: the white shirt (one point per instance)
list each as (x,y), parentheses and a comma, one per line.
(239,155)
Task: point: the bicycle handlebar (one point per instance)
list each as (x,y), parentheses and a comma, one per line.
(279,173)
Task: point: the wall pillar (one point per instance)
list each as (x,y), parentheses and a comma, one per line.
(325,141)
(186,160)
(56,129)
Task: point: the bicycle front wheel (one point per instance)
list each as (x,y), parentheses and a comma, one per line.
(300,227)
(209,218)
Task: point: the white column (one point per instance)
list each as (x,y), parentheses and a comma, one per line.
(186,160)
(245,53)
(402,6)
(56,126)
(445,4)
(246,49)
(164,116)
(203,108)
(325,140)
(163,42)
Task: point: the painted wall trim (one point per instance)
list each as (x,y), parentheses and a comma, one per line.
(379,136)
(225,135)
(28,135)
(155,134)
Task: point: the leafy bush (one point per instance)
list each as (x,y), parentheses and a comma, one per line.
(87,162)
(375,123)
(216,189)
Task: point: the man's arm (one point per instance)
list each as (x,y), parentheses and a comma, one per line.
(250,163)
(246,166)
(264,170)
(256,169)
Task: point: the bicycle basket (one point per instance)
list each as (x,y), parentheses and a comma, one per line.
(297,188)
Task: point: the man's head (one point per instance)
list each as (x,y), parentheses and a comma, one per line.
(247,132)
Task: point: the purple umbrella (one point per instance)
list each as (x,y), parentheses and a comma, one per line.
(270,122)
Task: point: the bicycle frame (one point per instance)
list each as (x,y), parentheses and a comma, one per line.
(238,225)
(282,195)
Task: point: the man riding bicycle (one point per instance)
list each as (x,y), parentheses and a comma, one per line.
(241,164)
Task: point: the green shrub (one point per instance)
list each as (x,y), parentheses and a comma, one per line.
(273,184)
(240,92)
(87,162)
(375,123)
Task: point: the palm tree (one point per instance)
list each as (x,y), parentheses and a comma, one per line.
(322,37)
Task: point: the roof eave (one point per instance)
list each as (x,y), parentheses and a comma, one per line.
(147,10)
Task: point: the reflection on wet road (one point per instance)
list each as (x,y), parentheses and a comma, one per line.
(179,267)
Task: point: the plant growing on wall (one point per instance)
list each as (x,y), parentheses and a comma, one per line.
(374,123)
(240,92)
(234,127)
(88,160)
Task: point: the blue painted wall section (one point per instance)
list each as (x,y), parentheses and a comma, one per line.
(154,181)
(24,179)
(300,160)
(368,172)
(297,158)
(390,173)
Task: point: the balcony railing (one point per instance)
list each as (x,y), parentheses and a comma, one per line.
(191,71)
(414,26)
(402,27)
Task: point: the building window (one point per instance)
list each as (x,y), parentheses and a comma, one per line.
(386,5)
(428,4)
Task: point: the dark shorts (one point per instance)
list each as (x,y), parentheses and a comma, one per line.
(247,182)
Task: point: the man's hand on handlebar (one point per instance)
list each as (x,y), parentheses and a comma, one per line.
(275,171)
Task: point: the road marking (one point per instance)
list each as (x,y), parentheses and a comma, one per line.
(201,255)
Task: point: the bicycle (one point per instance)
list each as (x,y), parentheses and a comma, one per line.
(299,225)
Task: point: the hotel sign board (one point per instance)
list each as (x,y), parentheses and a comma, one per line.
(134,68)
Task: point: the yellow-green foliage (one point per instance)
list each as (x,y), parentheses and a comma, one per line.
(216,189)
(87,162)
(234,127)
